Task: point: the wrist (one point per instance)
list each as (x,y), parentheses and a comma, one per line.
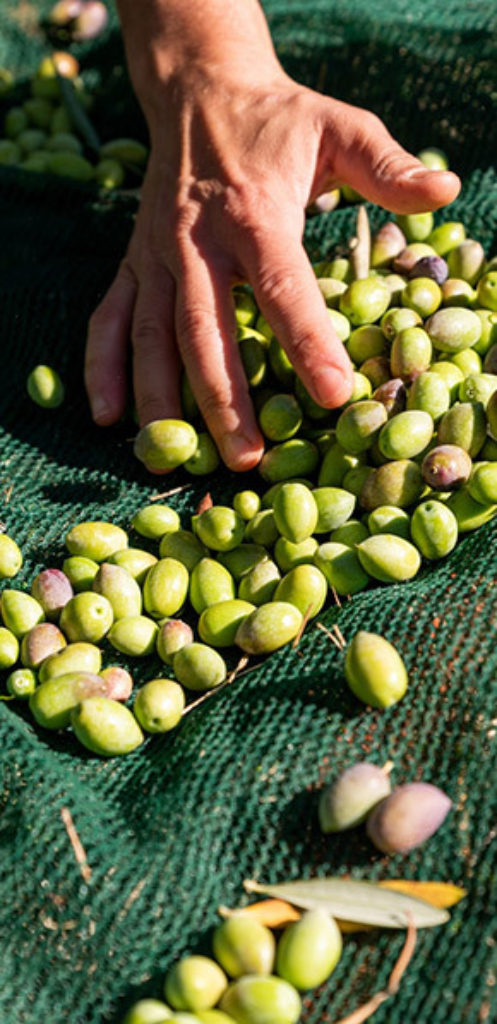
(177,48)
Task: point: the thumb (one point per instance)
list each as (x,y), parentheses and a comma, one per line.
(359,151)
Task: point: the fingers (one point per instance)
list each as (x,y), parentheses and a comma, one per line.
(156,364)
(288,296)
(205,333)
(361,152)
(105,357)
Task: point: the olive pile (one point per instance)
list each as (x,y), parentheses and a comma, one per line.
(44,133)
(410,462)
(266,977)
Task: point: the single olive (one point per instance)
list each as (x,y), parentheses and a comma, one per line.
(375,670)
(287,554)
(9,648)
(396,483)
(408,817)
(365,300)
(389,558)
(446,467)
(348,800)
(159,705)
(483,483)
(96,540)
(295,512)
(247,504)
(465,426)
(340,565)
(416,226)
(148,1011)
(259,584)
(305,586)
(309,950)
(199,667)
(120,589)
(135,635)
(410,354)
(165,444)
(154,521)
(453,329)
(243,946)
(262,999)
(218,624)
(106,727)
(294,458)
(358,425)
(20,612)
(194,983)
(45,387)
(268,628)
(447,236)
(210,582)
(172,636)
(434,529)
(10,557)
(87,617)
(165,588)
(219,528)
(80,572)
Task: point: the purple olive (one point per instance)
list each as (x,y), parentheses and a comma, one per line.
(446,467)
(393,396)
(433,267)
(119,682)
(90,22)
(408,817)
(52,589)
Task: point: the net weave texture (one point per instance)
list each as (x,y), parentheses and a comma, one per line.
(172,830)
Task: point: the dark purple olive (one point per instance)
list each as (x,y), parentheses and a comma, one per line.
(446,467)
(433,267)
(393,395)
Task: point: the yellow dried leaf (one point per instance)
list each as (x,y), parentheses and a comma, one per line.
(271,913)
(439,894)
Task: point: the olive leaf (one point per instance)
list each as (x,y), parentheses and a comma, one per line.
(352,900)
(78,115)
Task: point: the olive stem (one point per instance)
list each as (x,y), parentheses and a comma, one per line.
(168,494)
(331,636)
(195,704)
(361,252)
(387,767)
(303,624)
(364,1012)
(77,845)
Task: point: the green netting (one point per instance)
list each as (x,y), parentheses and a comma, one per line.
(172,830)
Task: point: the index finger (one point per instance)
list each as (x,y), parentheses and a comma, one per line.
(288,296)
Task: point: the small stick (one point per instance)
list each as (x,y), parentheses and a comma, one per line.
(336,597)
(404,958)
(77,845)
(331,636)
(338,631)
(168,494)
(8,493)
(364,1012)
(238,668)
(387,767)
(303,624)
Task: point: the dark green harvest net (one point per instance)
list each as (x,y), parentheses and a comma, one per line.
(171,831)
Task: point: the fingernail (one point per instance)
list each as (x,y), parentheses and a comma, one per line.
(332,386)
(99,409)
(241,449)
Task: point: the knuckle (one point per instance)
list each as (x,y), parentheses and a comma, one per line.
(193,321)
(216,403)
(147,336)
(390,162)
(280,285)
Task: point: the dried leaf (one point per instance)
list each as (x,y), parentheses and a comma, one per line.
(272,913)
(437,894)
(359,902)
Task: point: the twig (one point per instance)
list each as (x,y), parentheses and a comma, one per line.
(8,493)
(339,634)
(336,597)
(303,624)
(168,494)
(364,1012)
(331,636)
(229,679)
(77,845)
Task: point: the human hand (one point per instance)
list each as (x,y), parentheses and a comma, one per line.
(236,156)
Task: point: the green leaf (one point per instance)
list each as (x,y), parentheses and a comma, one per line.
(351,900)
(78,115)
